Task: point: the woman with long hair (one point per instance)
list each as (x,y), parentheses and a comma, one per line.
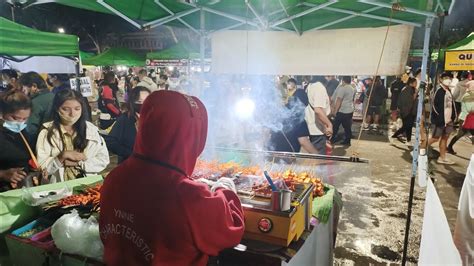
(122,136)
(69,146)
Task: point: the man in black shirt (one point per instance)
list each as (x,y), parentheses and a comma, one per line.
(331,85)
(294,133)
(395,88)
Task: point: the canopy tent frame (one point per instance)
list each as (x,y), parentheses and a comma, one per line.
(416,148)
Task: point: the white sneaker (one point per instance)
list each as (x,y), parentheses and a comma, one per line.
(365,127)
(445,161)
(375,126)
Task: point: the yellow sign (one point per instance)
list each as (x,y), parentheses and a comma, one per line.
(459,60)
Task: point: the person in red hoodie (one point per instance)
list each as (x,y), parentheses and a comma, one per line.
(152,213)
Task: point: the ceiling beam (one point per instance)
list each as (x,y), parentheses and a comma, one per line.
(118,13)
(341,20)
(364,14)
(405,9)
(228,27)
(259,18)
(288,15)
(302,13)
(179,19)
(161,21)
(230,16)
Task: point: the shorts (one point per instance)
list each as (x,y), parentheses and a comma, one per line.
(319,142)
(374,110)
(438,132)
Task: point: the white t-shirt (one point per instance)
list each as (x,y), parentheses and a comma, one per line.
(318,97)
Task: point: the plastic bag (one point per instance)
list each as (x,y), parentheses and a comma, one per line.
(32,198)
(75,235)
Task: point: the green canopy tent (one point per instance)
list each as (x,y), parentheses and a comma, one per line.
(178,51)
(19,40)
(464,44)
(85,55)
(180,54)
(26,49)
(208,16)
(114,57)
(287,15)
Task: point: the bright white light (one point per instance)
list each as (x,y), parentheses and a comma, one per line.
(171,68)
(61,30)
(122,68)
(244,108)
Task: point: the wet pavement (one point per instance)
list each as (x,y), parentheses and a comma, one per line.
(372,223)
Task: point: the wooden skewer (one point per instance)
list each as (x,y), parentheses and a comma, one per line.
(30,151)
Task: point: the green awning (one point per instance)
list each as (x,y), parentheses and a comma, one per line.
(19,40)
(85,55)
(178,51)
(464,44)
(284,15)
(114,57)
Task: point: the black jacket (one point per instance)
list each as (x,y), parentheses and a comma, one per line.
(437,108)
(407,102)
(378,96)
(122,137)
(13,154)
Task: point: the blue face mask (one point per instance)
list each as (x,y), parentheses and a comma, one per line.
(14,126)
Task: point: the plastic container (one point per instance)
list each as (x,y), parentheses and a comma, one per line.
(44,239)
(33,228)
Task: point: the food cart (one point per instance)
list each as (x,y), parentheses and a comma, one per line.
(302,235)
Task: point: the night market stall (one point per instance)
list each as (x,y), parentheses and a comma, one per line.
(305,175)
(43,52)
(115,57)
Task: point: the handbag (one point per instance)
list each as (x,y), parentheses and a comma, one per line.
(469,122)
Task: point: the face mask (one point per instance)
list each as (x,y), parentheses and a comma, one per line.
(137,107)
(14,126)
(446,82)
(67,120)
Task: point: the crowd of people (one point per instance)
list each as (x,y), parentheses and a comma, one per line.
(48,136)
(48,126)
(329,102)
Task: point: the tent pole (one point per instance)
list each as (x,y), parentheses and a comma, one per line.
(421,93)
(78,81)
(202,47)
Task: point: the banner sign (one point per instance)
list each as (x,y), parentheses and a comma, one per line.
(86,86)
(459,60)
(166,63)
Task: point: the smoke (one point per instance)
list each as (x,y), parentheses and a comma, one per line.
(228,129)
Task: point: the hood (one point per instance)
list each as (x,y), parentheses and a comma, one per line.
(172,129)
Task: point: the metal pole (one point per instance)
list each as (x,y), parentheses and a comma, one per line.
(421,94)
(202,48)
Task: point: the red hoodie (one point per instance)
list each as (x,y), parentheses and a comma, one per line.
(151,212)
